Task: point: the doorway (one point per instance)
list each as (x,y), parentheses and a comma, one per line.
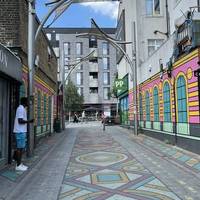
(4,120)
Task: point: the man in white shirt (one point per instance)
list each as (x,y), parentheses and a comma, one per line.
(20,130)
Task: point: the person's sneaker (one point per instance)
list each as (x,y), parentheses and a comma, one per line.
(20,168)
(24,166)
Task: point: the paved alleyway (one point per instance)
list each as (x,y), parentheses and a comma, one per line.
(88,163)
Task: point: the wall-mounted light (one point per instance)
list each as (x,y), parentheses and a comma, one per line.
(162,33)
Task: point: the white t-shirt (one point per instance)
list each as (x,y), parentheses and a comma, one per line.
(20,113)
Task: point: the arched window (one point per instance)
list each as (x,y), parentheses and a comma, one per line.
(167,104)
(141,108)
(49,110)
(156,104)
(147,106)
(45,109)
(181,100)
(39,108)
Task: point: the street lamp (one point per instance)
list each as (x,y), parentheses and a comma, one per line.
(117,44)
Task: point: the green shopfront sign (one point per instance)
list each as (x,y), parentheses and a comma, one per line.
(121,85)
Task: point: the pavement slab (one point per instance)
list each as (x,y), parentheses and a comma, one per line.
(87,163)
(101,168)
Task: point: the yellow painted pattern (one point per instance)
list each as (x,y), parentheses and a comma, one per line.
(193,94)
(186,58)
(194,84)
(25,70)
(194,113)
(193,103)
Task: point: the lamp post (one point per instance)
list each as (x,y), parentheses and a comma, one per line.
(117,44)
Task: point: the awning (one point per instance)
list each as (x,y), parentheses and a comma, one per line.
(10,64)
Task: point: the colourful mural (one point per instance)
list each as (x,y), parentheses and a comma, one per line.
(43,97)
(170,100)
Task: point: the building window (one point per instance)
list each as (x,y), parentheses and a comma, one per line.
(49,110)
(106,93)
(124,110)
(147,98)
(92,42)
(182,100)
(167,104)
(106,63)
(106,78)
(93,75)
(79,48)
(153,45)
(94,90)
(45,109)
(141,108)
(105,48)
(66,63)
(39,108)
(80,91)
(66,48)
(49,36)
(156,104)
(153,7)
(57,37)
(79,78)
(80,66)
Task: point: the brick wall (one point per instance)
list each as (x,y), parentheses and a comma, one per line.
(14,30)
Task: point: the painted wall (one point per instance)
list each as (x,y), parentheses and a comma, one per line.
(42,104)
(184,67)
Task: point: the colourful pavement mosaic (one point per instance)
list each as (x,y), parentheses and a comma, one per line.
(99,168)
(183,158)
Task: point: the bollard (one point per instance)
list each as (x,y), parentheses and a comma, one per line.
(104,125)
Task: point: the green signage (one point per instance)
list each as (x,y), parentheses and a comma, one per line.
(121,85)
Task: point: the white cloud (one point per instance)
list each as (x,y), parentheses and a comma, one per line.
(109,9)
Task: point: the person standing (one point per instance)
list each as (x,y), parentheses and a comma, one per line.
(20,131)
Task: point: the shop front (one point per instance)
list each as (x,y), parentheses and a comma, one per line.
(122,93)
(10,78)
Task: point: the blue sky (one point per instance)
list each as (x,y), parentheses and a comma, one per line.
(79,15)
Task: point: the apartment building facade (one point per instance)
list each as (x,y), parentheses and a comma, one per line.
(168,83)
(93,79)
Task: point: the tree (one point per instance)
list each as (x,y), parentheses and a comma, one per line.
(73,101)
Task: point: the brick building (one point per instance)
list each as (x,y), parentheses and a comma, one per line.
(14,35)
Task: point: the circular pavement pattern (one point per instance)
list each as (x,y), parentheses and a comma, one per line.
(101,158)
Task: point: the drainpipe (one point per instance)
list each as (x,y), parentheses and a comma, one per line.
(198,5)
(175,120)
(168,18)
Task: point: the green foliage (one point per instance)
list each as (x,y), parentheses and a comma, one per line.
(113,92)
(73,101)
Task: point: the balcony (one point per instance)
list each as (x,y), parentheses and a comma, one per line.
(93,67)
(93,82)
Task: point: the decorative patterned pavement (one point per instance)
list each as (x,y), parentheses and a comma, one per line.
(100,168)
(185,158)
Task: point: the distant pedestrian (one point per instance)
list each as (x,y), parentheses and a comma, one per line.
(75,118)
(20,131)
(83,116)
